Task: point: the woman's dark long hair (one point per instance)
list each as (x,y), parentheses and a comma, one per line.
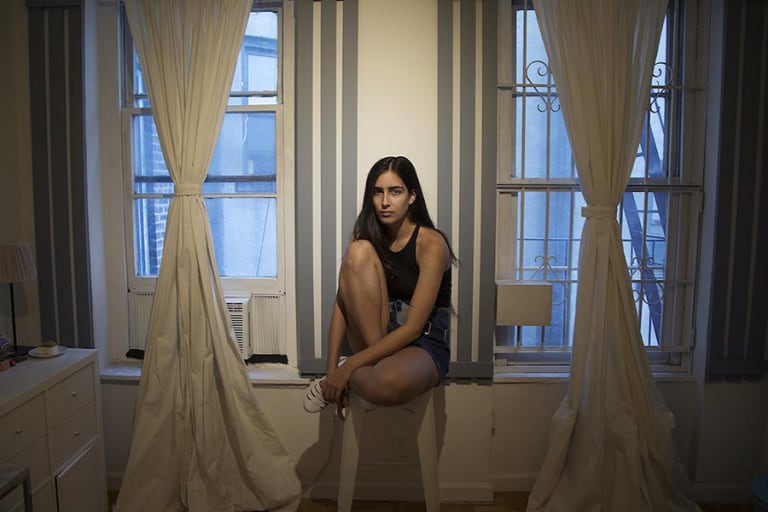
(368,227)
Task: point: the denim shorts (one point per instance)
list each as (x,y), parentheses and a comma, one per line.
(435,337)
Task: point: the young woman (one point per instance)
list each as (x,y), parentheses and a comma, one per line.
(393,299)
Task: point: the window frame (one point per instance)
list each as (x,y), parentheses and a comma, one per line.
(134,293)
(233,286)
(685,177)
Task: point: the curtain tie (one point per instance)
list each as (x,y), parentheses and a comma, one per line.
(187,189)
(599,212)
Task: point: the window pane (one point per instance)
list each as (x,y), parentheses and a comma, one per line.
(244,236)
(149,170)
(550,226)
(256,69)
(139,91)
(150,216)
(530,49)
(244,160)
(257,63)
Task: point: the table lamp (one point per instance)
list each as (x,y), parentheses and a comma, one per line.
(16,265)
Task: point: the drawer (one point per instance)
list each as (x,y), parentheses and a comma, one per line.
(44,498)
(72,434)
(36,457)
(79,487)
(21,427)
(70,394)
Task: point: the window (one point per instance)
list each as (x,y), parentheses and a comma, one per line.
(540,200)
(245,188)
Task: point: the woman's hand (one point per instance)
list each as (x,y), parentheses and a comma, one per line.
(334,385)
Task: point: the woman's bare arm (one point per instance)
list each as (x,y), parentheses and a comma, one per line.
(336,332)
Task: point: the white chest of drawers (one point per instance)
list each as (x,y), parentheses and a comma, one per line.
(50,420)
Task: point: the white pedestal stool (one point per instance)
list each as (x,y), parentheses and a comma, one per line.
(423,409)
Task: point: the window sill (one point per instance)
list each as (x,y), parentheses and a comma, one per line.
(261,374)
(512,377)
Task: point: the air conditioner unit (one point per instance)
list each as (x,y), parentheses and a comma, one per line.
(238,316)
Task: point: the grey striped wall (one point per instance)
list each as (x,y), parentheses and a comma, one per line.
(467,362)
(738,329)
(59,184)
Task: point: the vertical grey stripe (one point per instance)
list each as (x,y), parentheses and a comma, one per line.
(82,285)
(743,307)
(56,87)
(466,181)
(328,160)
(39,133)
(444,116)
(349,119)
(737,338)
(721,259)
(758,330)
(60,172)
(304,277)
(487,317)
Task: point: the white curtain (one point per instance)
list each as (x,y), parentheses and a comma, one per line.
(200,440)
(610,446)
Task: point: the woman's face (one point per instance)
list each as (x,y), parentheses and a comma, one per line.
(391,198)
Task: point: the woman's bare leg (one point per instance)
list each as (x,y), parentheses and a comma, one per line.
(396,379)
(362,297)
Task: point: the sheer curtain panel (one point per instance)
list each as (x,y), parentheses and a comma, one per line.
(610,445)
(200,441)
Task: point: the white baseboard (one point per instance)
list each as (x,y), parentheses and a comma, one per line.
(407,491)
(513,482)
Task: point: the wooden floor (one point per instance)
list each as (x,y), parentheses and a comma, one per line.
(503,502)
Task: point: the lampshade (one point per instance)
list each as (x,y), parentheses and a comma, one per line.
(16,262)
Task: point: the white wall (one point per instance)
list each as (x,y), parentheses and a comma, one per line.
(397,84)
(388,457)
(16,213)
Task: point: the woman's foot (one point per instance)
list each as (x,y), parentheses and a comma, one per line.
(313,400)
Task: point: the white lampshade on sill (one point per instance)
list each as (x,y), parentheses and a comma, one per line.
(16,262)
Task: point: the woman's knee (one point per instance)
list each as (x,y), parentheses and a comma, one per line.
(388,388)
(360,255)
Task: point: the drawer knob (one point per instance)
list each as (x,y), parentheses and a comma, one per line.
(18,430)
(77,433)
(74,394)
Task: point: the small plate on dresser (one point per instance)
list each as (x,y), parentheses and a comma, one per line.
(36,352)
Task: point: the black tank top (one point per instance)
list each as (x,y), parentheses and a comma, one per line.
(401,280)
